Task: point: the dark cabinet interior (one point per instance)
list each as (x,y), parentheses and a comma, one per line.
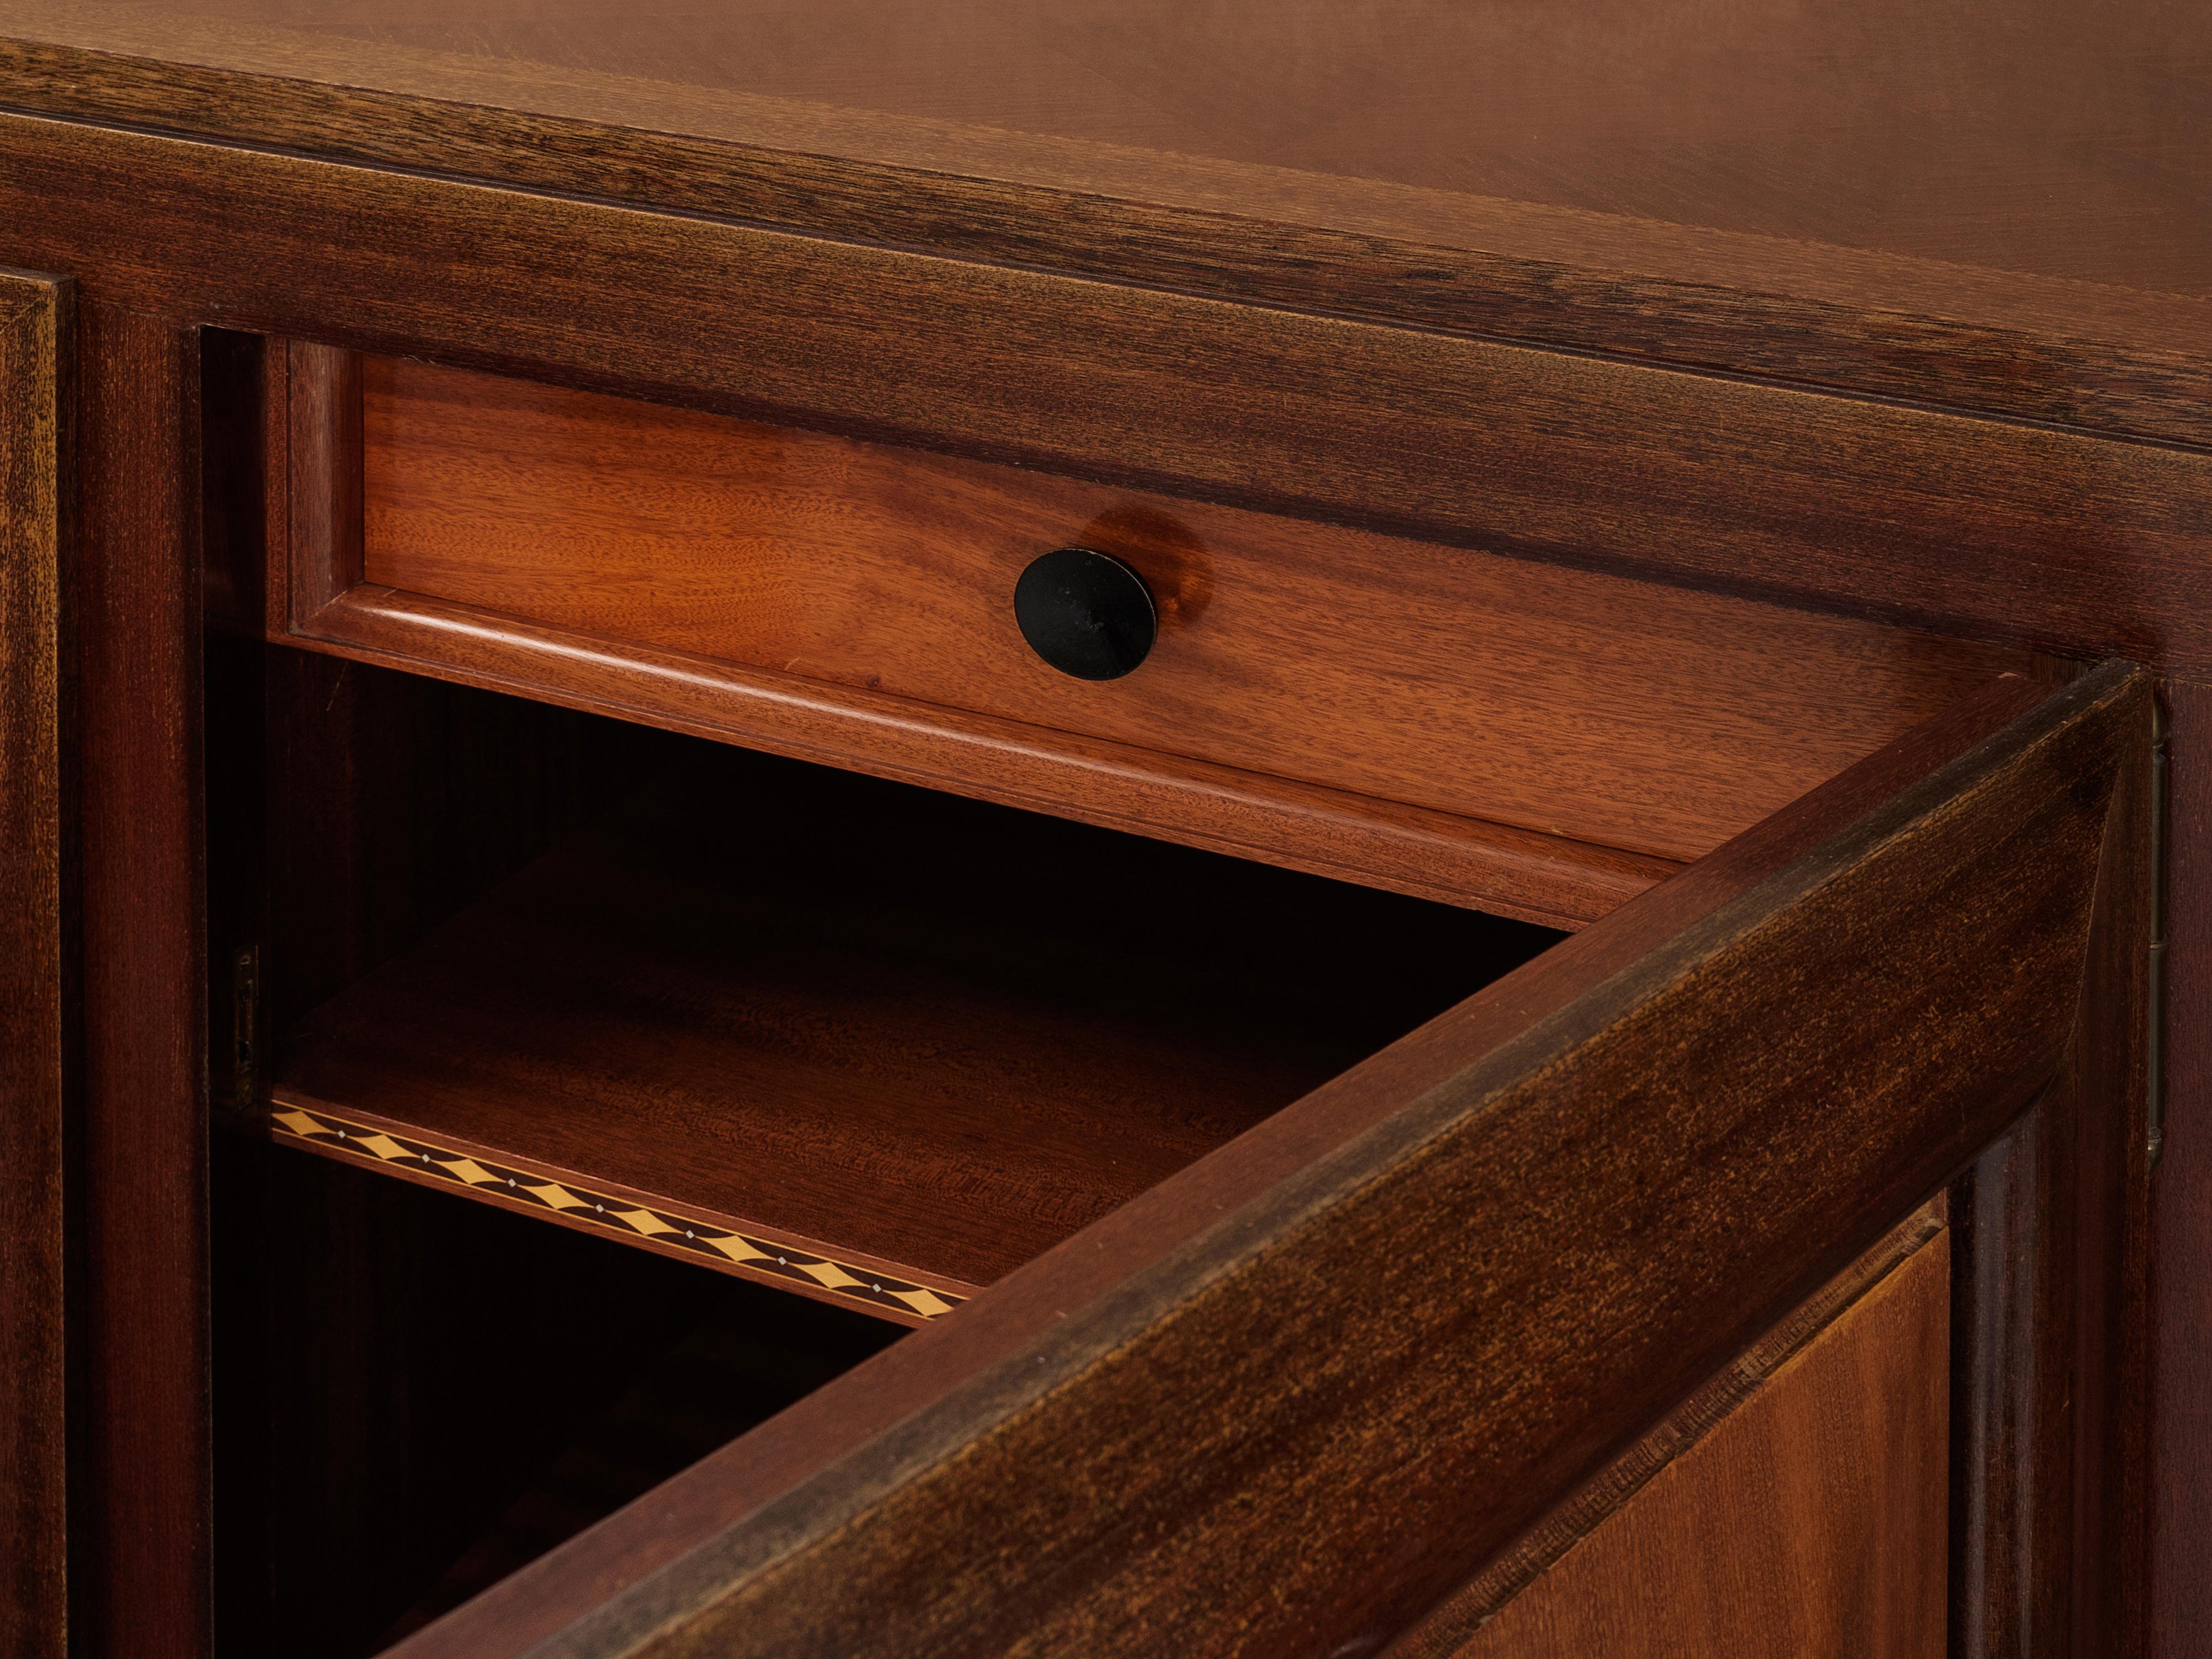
(880,1043)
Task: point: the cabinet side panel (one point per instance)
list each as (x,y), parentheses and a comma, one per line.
(33,421)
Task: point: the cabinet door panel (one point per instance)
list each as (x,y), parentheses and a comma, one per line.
(1281,1402)
(34,319)
(1807,1523)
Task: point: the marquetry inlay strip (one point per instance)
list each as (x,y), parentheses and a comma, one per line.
(757,1255)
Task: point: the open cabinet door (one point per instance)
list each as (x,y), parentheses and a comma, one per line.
(34,336)
(1284,1403)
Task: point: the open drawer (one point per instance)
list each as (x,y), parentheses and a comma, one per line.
(1447,720)
(1286,1256)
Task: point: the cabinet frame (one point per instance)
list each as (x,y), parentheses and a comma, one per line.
(152,275)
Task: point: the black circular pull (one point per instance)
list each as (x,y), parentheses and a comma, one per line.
(1086,613)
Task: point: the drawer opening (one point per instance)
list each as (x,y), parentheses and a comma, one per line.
(557,1057)
(863,1040)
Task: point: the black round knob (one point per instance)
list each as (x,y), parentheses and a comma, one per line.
(1086,614)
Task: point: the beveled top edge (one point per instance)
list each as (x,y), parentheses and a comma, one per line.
(2034,346)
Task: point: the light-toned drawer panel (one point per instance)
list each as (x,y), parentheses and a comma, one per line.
(1578,704)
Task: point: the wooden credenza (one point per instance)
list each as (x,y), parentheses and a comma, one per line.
(1535,998)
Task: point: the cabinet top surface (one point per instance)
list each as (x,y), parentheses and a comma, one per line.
(2038,138)
(2003,207)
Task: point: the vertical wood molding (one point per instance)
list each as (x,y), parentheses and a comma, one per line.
(142,1550)
(323,437)
(2180,1387)
(35,318)
(2012,1413)
(2048,1308)
(2107,1158)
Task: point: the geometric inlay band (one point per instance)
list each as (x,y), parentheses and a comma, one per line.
(619,1216)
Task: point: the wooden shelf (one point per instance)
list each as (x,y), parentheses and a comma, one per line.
(875,1044)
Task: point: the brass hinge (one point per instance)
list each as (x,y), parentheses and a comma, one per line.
(2155,978)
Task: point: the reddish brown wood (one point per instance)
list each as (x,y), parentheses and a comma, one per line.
(1549,879)
(2181,1213)
(1999,528)
(37,979)
(1460,1615)
(887,1543)
(2109,1161)
(322,405)
(1810,1521)
(1948,184)
(1536,877)
(918,1035)
(140,1538)
(1651,718)
(1462,105)
(2012,1494)
(2050,1362)
(325,253)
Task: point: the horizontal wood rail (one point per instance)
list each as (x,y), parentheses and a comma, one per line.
(2041,535)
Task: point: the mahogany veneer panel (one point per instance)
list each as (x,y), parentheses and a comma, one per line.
(914,1034)
(1651,718)
(1810,1522)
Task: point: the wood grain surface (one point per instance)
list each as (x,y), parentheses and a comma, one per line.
(2034,534)
(1992,211)
(1452,1167)
(140,1506)
(1650,719)
(861,1018)
(319,409)
(2181,1204)
(2112,1083)
(1918,117)
(1808,1524)
(1546,879)
(1454,1619)
(2050,1313)
(37,980)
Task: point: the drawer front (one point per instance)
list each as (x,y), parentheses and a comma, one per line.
(1580,705)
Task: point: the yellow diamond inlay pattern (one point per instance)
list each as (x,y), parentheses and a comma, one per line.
(743,1252)
(925,1303)
(558,1197)
(736,1249)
